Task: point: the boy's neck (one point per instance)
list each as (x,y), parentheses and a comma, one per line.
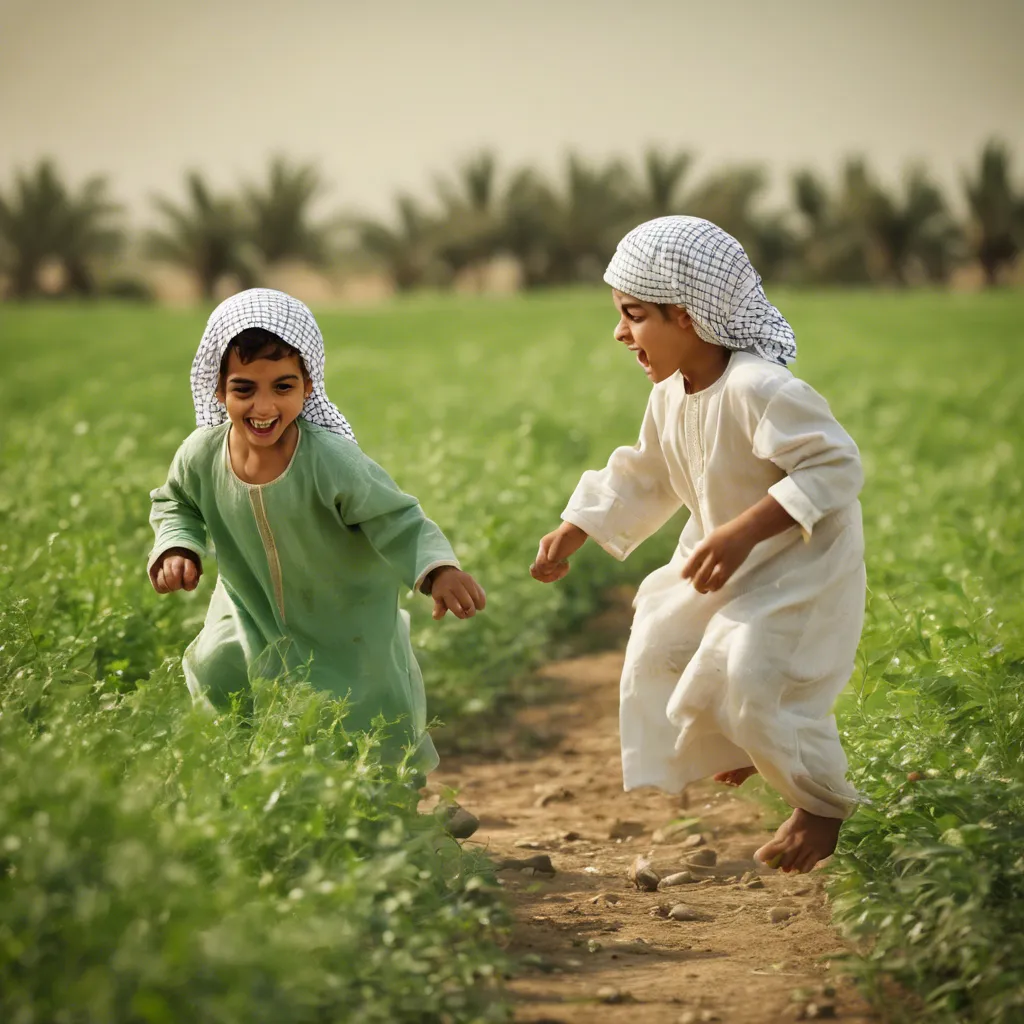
(258,465)
(705,367)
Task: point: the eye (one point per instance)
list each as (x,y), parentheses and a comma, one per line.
(241,389)
(282,388)
(633,319)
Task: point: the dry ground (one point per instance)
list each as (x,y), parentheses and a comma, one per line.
(594,949)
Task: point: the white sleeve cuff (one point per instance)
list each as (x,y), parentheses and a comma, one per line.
(430,568)
(789,495)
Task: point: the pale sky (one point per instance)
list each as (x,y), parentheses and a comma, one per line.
(384,94)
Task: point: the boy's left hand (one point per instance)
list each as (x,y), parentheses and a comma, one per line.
(456,591)
(718,556)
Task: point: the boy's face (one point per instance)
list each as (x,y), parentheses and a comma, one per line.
(663,342)
(264,397)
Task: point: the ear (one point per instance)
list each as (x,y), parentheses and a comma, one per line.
(681,315)
(308,386)
(221,393)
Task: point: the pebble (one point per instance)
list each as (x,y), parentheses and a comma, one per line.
(459,823)
(675,833)
(552,794)
(779,914)
(692,842)
(679,878)
(818,1011)
(695,1016)
(625,829)
(642,875)
(754,883)
(681,912)
(606,897)
(540,864)
(526,844)
(703,858)
(593,946)
(610,994)
(639,947)
(570,837)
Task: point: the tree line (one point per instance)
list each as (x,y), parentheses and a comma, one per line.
(561,229)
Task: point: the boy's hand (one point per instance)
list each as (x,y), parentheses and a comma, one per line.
(552,561)
(175,569)
(456,591)
(718,556)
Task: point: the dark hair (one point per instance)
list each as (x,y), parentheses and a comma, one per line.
(258,343)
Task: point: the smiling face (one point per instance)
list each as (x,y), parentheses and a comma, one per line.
(663,338)
(263,396)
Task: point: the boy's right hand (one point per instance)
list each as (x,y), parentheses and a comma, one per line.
(175,569)
(552,561)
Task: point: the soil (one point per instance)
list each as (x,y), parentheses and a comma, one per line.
(591,947)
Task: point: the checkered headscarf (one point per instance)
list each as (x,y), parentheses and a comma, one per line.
(293,323)
(690,262)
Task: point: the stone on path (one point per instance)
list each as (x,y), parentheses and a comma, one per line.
(681,912)
(703,858)
(779,914)
(679,878)
(642,875)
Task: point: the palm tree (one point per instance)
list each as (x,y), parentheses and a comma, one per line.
(912,227)
(657,191)
(530,213)
(43,220)
(835,244)
(278,215)
(469,229)
(592,211)
(206,236)
(406,250)
(997,212)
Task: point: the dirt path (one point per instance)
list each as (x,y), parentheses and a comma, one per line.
(596,949)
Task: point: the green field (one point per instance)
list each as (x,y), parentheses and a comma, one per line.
(160,865)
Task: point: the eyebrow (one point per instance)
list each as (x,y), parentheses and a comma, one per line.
(277,380)
(632,305)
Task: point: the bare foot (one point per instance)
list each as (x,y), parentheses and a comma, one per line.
(800,842)
(736,777)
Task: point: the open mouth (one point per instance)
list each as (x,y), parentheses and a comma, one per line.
(641,357)
(261,428)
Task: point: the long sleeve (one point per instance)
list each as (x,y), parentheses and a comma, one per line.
(393,522)
(621,505)
(174,515)
(799,434)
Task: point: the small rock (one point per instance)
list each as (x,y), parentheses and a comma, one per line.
(804,890)
(569,837)
(606,897)
(593,946)
(610,994)
(625,829)
(681,912)
(695,1016)
(540,864)
(591,870)
(674,833)
(818,1011)
(642,875)
(553,794)
(679,878)
(640,947)
(661,910)
(526,844)
(704,858)
(754,883)
(692,842)
(458,822)
(779,914)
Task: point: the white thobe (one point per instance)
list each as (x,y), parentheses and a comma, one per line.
(746,675)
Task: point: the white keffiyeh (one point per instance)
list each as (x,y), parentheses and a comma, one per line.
(282,315)
(690,262)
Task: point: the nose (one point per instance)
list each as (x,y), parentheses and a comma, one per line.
(622,332)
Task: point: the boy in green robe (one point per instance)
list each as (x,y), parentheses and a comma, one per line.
(314,541)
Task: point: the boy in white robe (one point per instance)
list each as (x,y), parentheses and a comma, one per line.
(741,644)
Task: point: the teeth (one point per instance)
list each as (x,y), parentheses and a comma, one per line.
(263,424)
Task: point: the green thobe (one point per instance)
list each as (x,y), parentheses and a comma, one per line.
(311,566)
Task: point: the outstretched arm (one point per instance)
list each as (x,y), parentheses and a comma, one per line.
(175,563)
